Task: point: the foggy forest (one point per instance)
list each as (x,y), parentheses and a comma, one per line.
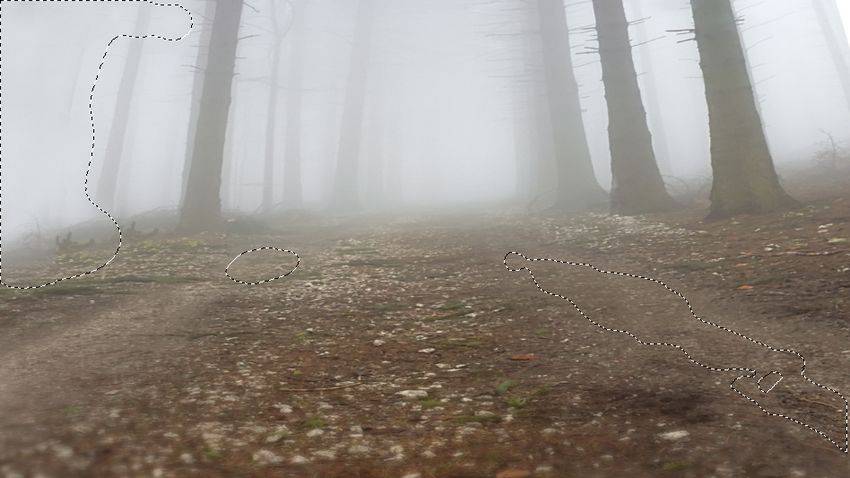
(425,238)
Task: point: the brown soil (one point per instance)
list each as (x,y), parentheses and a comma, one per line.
(160,366)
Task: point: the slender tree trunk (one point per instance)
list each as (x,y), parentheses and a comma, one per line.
(202,203)
(205,25)
(577,188)
(651,98)
(745,180)
(108,182)
(292,187)
(346,194)
(523,148)
(836,41)
(271,130)
(637,187)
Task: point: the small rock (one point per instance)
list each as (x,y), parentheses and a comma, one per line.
(378,342)
(429,350)
(299,460)
(674,435)
(315,432)
(266,457)
(359,449)
(283,408)
(413,394)
(412,475)
(326,454)
(187,458)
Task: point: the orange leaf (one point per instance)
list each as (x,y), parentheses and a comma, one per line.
(524,357)
(746,287)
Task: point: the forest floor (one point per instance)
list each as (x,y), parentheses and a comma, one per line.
(402,347)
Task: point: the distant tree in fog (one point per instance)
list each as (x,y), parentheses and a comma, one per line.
(637,185)
(107,184)
(745,180)
(292,186)
(201,207)
(832,28)
(651,96)
(577,187)
(346,195)
(280,30)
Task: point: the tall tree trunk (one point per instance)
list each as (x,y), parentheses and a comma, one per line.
(637,187)
(197,89)
(108,182)
(745,180)
(292,187)
(577,188)
(345,193)
(202,203)
(651,98)
(829,19)
(271,129)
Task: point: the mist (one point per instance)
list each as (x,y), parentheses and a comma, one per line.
(437,116)
(424,238)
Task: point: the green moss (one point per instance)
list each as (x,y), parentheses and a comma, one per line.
(313,423)
(505,386)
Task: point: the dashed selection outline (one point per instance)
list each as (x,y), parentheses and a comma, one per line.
(747,372)
(93,130)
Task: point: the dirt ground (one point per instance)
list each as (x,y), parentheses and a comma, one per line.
(402,347)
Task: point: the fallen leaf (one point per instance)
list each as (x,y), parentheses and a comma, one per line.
(746,287)
(524,357)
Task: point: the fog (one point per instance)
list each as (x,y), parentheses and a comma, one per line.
(439,112)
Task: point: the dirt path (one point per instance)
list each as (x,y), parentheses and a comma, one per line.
(404,348)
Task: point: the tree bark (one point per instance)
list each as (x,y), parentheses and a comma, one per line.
(637,187)
(345,194)
(292,186)
(577,187)
(745,180)
(651,98)
(197,89)
(107,184)
(202,202)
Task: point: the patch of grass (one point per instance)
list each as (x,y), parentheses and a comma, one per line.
(72,410)
(539,392)
(516,402)
(387,307)
(313,423)
(211,454)
(675,465)
(505,386)
(68,289)
(152,279)
(355,250)
(428,403)
(542,333)
(482,419)
(452,306)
